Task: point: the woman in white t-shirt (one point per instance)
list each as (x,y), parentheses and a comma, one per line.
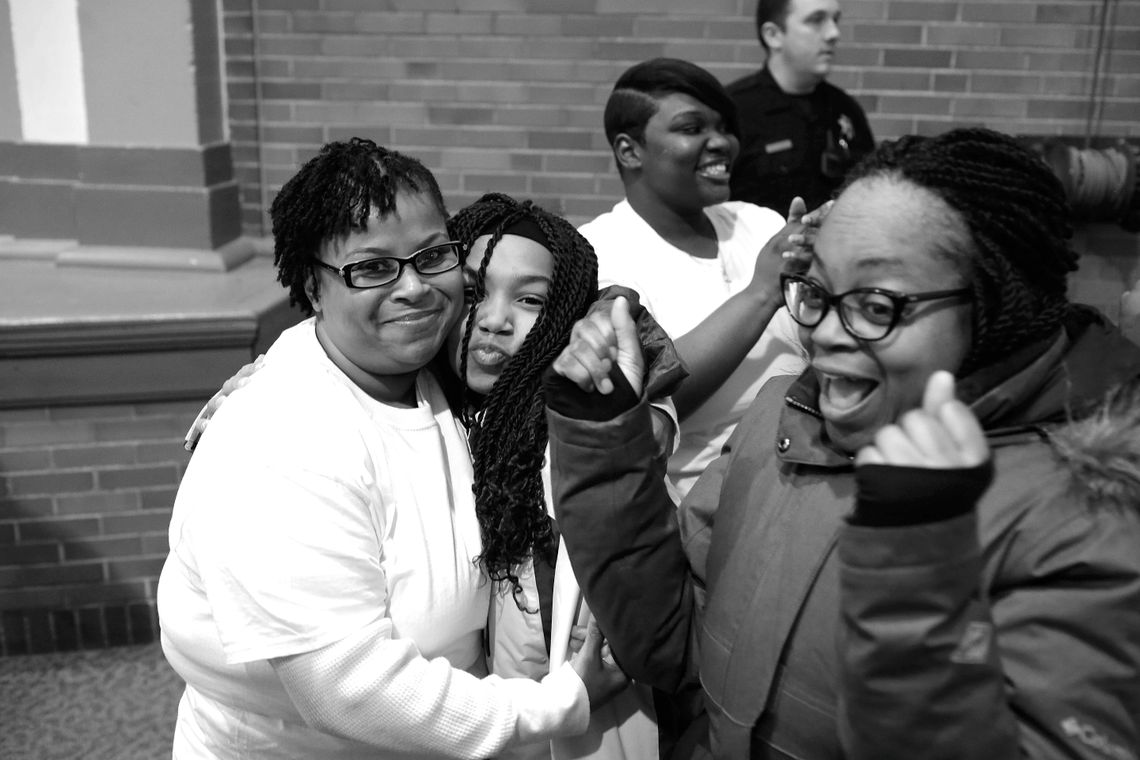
(321,597)
(529,276)
(707,268)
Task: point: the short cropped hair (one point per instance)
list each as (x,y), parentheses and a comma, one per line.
(633,100)
(775,11)
(332,195)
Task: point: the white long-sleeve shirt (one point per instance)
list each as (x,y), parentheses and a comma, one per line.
(308,513)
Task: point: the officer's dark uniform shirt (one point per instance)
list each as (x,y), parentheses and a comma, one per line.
(794,144)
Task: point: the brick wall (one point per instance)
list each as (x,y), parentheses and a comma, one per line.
(507,95)
(85,499)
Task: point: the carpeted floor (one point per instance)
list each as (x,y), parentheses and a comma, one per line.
(112,704)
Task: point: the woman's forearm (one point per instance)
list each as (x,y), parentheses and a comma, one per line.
(714,349)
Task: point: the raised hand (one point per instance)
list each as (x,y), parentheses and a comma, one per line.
(942,434)
(597,341)
(790,249)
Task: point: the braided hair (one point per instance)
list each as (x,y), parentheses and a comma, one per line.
(1018,219)
(508,426)
(333,195)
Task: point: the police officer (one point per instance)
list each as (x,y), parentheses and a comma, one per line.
(799,133)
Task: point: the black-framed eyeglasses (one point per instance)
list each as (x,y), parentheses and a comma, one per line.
(384,270)
(867,314)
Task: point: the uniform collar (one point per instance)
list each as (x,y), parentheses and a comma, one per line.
(774,98)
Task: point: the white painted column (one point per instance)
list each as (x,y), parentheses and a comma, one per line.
(49,71)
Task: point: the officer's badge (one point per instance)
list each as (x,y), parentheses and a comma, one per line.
(846,128)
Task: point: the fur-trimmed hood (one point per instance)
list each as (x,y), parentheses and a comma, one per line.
(1103,450)
(1081,391)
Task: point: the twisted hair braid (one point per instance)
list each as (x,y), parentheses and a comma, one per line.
(508,427)
(332,195)
(1018,218)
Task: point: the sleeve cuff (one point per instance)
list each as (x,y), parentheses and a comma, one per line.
(896,496)
(567,399)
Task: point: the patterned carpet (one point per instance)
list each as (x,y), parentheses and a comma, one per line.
(112,704)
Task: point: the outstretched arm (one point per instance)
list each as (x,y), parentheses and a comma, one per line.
(714,348)
(377,689)
(613,510)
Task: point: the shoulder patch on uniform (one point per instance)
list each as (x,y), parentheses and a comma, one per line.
(846,127)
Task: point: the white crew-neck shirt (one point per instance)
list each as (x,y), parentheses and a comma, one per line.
(309,511)
(681,291)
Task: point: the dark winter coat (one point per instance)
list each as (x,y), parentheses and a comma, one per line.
(1010,628)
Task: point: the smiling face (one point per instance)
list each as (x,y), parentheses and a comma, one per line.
(517,282)
(805,45)
(381,337)
(686,154)
(891,234)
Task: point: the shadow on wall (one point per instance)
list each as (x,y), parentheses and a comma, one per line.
(85,501)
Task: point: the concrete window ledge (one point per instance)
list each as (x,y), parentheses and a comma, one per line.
(105,333)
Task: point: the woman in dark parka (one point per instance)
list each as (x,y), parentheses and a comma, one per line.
(927,545)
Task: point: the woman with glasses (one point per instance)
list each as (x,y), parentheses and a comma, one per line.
(926,545)
(529,276)
(322,597)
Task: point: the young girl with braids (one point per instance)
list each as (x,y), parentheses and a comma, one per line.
(928,544)
(530,276)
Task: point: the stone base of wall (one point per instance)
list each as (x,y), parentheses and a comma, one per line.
(115,196)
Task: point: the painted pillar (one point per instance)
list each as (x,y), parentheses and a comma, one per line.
(112,125)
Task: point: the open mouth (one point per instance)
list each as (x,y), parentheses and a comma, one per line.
(843,395)
(717,170)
